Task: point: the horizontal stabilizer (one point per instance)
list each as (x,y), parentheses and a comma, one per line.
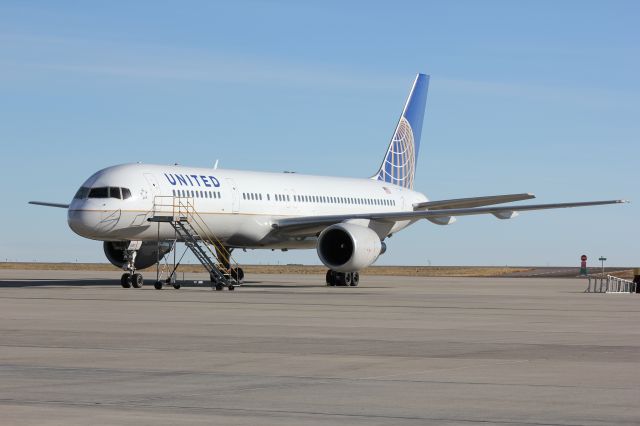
(44,203)
(471,202)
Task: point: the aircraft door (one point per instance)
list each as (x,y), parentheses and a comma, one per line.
(154,188)
(233,193)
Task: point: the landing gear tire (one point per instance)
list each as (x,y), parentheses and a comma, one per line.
(355,279)
(334,278)
(158,285)
(231,287)
(346,280)
(176,286)
(330,278)
(219,287)
(125,280)
(137,281)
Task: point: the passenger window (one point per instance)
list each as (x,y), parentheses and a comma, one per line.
(102,192)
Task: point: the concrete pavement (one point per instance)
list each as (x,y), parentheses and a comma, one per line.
(75,348)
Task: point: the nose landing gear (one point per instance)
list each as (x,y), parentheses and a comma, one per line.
(131,278)
(335,278)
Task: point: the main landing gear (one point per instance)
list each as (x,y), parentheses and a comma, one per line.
(335,278)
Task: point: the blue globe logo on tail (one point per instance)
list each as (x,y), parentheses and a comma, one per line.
(399,164)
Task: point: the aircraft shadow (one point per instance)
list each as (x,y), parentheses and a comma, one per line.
(116,283)
(65,283)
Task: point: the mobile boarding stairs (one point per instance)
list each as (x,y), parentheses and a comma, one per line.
(190,228)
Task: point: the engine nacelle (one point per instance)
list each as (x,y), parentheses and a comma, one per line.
(346,247)
(147,254)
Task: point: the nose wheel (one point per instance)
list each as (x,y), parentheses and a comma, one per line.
(125,280)
(129,280)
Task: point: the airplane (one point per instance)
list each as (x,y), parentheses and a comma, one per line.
(346,220)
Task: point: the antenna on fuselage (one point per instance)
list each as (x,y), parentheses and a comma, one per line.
(215,166)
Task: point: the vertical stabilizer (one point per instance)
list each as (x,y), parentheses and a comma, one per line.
(399,164)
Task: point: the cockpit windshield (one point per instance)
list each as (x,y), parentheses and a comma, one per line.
(103,192)
(82,193)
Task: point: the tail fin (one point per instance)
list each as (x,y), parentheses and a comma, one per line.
(399,164)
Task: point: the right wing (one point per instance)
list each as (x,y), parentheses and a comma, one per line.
(44,203)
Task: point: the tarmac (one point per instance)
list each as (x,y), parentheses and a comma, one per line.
(77,349)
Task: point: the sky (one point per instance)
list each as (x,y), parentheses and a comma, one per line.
(530,96)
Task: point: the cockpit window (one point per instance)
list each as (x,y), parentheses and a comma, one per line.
(114,192)
(82,193)
(102,192)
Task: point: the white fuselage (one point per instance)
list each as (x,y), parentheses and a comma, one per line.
(239,207)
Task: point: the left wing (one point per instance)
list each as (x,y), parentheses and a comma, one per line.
(317,223)
(44,203)
(458,203)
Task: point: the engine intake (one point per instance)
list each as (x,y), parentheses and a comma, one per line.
(346,247)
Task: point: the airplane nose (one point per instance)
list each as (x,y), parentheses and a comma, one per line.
(82,222)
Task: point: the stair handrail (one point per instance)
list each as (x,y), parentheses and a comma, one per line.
(189,208)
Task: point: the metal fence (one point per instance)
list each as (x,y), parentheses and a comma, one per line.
(609,284)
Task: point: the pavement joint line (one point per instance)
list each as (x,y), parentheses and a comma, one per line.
(287,412)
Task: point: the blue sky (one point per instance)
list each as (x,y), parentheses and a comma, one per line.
(539,96)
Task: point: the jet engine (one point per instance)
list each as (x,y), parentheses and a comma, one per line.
(147,254)
(346,247)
